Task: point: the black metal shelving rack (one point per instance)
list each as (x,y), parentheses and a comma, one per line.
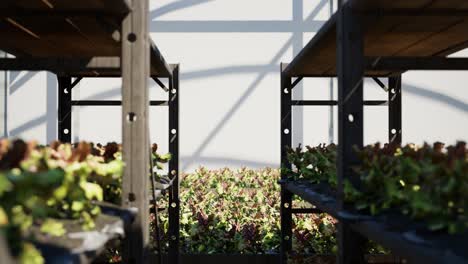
(288,190)
(372,39)
(65,117)
(102,38)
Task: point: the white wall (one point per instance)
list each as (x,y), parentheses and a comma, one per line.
(230,51)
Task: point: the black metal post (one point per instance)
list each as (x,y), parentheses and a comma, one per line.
(286,141)
(174,201)
(394,110)
(64,108)
(350,66)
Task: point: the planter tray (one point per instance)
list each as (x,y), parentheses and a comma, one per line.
(393,231)
(319,195)
(78,246)
(266,258)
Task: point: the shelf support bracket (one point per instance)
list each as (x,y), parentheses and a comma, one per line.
(296,82)
(160,84)
(75,82)
(380,83)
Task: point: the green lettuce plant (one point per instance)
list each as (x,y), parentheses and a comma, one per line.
(40,185)
(427,183)
(315,164)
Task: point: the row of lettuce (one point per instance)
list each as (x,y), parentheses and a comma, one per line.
(237,211)
(230,211)
(41,185)
(428,184)
(223,211)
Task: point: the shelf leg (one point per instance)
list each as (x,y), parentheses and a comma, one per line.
(135,128)
(174,201)
(394,110)
(286,141)
(350,66)
(64,109)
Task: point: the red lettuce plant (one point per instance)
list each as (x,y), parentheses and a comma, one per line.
(237,211)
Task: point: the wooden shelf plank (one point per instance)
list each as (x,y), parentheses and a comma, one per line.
(76,37)
(405,4)
(68,37)
(115,7)
(422,29)
(457,4)
(59,37)
(385,4)
(38,30)
(20,43)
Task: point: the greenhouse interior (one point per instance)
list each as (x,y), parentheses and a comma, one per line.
(233,131)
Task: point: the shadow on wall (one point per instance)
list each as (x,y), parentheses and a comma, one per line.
(50,118)
(297,26)
(228,162)
(436,97)
(17,82)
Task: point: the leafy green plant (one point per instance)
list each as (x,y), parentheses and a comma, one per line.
(41,184)
(426,183)
(316,164)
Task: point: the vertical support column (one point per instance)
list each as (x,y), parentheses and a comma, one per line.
(394,110)
(174,202)
(3,100)
(135,128)
(5,251)
(350,66)
(286,141)
(64,109)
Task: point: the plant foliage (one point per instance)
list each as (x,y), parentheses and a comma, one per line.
(427,183)
(40,185)
(237,211)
